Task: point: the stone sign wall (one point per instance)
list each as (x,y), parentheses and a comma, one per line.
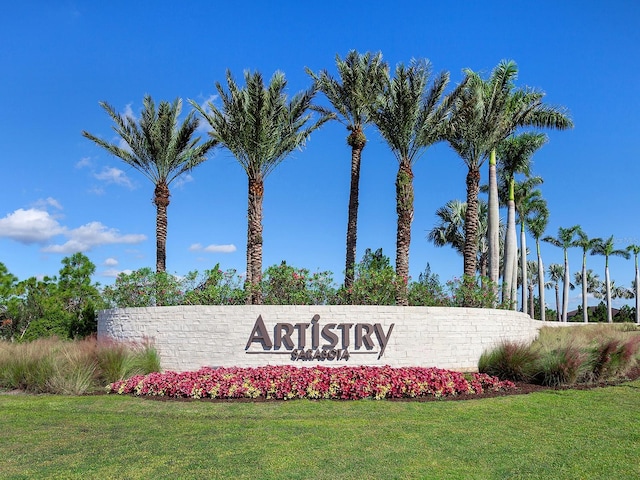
(189,337)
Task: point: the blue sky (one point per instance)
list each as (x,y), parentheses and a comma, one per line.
(61,193)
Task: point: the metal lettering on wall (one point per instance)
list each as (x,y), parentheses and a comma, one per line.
(312,341)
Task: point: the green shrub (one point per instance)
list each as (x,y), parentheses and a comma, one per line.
(217,288)
(472,292)
(374,281)
(286,285)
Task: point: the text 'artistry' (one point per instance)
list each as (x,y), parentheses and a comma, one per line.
(335,337)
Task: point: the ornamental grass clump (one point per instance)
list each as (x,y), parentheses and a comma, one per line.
(612,358)
(513,361)
(288,382)
(71,367)
(561,366)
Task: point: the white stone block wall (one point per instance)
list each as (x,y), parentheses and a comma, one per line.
(189,337)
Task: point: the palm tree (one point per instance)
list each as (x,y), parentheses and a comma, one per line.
(354,96)
(485,114)
(450,230)
(635,249)
(529,206)
(564,240)
(556,275)
(537,225)
(586,243)
(591,285)
(410,118)
(514,154)
(606,248)
(159,149)
(260,126)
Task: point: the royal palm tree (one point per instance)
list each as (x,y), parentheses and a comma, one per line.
(635,249)
(533,282)
(354,96)
(514,156)
(556,275)
(536,226)
(410,118)
(529,206)
(564,240)
(161,150)
(607,249)
(260,126)
(586,243)
(487,112)
(592,285)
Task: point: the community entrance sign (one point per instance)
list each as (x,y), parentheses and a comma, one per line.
(315,341)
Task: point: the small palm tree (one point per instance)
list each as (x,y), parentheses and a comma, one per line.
(159,149)
(635,249)
(607,249)
(592,285)
(556,275)
(530,206)
(537,225)
(410,118)
(586,243)
(354,97)
(564,240)
(260,126)
(450,230)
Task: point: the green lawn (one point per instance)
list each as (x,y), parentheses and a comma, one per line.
(551,434)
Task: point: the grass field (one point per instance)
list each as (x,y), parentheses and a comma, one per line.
(554,434)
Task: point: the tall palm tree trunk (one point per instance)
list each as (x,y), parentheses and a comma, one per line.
(558,312)
(404,208)
(585,304)
(532,310)
(254,240)
(510,256)
(523,265)
(357,142)
(470,250)
(565,287)
(637,291)
(543,313)
(493,222)
(607,280)
(161,201)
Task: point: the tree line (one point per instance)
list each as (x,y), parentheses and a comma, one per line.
(260,125)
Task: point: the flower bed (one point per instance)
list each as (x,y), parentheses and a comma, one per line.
(287,382)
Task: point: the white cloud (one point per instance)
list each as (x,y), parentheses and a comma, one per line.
(91,235)
(128,112)
(114,175)
(204,126)
(30,226)
(110,262)
(113,273)
(197,247)
(42,204)
(182,180)
(84,162)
